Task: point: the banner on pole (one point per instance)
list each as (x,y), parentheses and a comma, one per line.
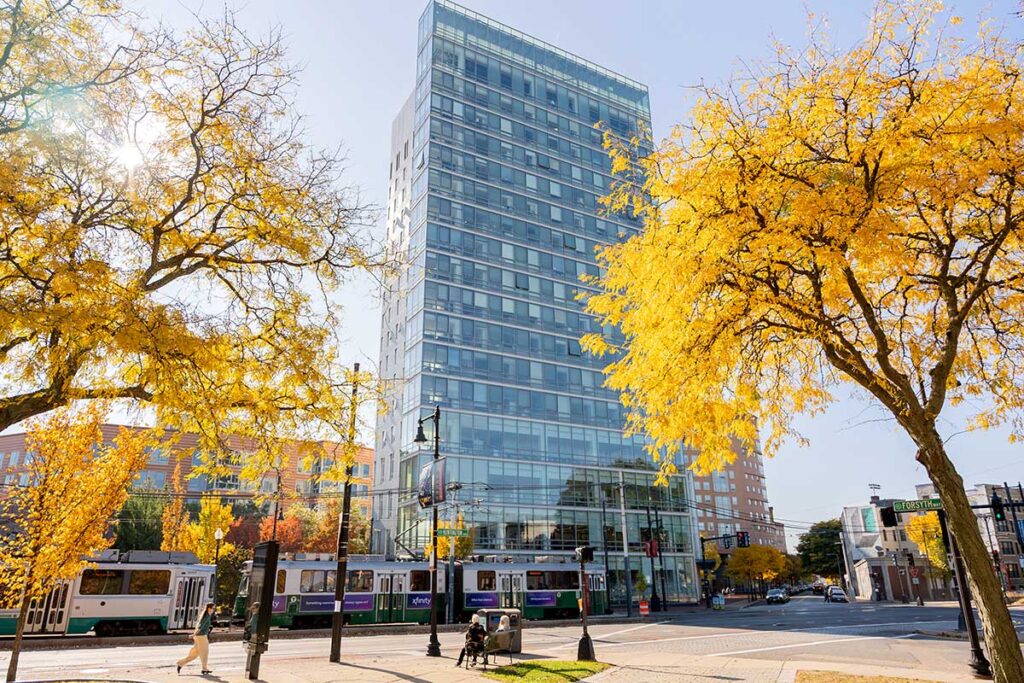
(431,490)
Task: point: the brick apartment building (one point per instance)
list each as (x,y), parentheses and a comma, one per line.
(735,498)
(298,480)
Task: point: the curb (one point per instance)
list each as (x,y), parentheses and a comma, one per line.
(92,642)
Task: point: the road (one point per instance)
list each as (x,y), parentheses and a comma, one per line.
(806,629)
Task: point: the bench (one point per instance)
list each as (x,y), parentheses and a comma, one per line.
(500,641)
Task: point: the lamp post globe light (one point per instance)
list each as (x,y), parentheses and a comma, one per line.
(434,646)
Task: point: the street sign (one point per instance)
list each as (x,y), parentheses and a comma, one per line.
(452,533)
(917,505)
(913,572)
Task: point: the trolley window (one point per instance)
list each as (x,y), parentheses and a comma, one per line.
(243,586)
(419,581)
(149,582)
(101,582)
(552,581)
(281,576)
(316,581)
(485,581)
(360,581)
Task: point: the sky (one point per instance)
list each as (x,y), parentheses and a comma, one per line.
(358,59)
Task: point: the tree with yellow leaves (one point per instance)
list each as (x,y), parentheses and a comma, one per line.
(76,484)
(834,216)
(756,563)
(925,532)
(200,536)
(175,518)
(141,174)
(463,544)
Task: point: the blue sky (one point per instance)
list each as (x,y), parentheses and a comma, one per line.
(358,62)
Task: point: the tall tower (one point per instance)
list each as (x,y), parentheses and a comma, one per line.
(497,169)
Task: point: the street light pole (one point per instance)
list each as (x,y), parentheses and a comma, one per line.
(433,646)
(344,521)
(978,662)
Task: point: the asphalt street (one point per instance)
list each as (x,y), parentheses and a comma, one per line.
(806,628)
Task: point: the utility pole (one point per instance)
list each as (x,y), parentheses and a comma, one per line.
(661,559)
(604,547)
(1013,513)
(454,487)
(341,571)
(625,546)
(655,600)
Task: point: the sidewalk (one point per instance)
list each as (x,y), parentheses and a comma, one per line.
(678,668)
(628,668)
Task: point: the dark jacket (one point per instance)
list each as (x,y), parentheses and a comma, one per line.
(476,634)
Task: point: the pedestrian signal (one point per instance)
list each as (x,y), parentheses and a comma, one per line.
(742,539)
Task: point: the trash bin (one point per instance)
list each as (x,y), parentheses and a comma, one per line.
(491,617)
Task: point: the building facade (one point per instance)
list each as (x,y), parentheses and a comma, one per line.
(298,479)
(882,563)
(735,498)
(496,174)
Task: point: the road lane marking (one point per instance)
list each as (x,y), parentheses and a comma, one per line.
(601,638)
(813,642)
(666,640)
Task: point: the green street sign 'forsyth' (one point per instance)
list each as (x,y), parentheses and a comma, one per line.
(453,533)
(917,505)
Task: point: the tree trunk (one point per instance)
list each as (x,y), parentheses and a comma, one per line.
(12,667)
(1000,636)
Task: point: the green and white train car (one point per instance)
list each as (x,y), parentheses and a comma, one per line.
(540,590)
(385,592)
(136,593)
(377,592)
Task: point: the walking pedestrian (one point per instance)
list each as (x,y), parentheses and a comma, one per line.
(200,641)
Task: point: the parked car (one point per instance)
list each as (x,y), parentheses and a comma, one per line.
(837,594)
(777,595)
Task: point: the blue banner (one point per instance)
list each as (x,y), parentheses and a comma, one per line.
(541,599)
(417,601)
(481,600)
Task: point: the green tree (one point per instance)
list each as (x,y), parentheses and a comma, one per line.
(819,548)
(139,523)
(229,574)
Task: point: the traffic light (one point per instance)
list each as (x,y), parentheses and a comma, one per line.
(651,548)
(585,554)
(995,556)
(998,513)
(888,517)
(742,539)
(910,558)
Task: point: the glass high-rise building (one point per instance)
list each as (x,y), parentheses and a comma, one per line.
(496,173)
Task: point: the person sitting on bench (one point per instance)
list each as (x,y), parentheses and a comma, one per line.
(475,636)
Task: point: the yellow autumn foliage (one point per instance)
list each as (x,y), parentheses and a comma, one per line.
(169,235)
(76,486)
(832,217)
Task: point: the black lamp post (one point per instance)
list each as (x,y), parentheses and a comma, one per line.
(434,646)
